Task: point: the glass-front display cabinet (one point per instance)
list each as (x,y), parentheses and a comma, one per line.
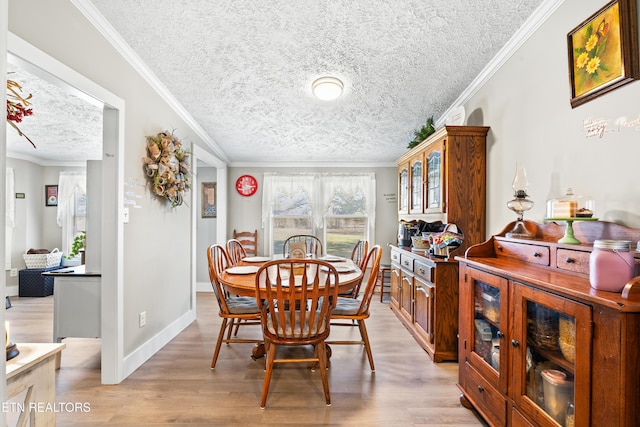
(403,189)
(434,182)
(417,180)
(538,345)
(551,345)
(485,350)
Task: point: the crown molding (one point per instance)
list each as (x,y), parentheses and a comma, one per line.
(100,23)
(46,163)
(298,165)
(539,16)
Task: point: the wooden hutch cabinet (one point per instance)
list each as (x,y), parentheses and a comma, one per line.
(538,345)
(441,179)
(424,296)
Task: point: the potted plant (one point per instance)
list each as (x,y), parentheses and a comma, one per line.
(78,246)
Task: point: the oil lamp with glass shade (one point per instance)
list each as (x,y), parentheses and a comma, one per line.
(520,204)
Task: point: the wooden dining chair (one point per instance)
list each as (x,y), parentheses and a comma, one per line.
(358,256)
(234,310)
(295,301)
(357,309)
(248,240)
(312,243)
(236,251)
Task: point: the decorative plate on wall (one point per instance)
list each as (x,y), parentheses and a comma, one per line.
(246,185)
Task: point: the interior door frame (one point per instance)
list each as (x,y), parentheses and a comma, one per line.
(112,331)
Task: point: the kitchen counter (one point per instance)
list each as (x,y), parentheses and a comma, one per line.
(77,303)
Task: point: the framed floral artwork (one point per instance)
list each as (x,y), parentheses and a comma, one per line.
(603,51)
(209,209)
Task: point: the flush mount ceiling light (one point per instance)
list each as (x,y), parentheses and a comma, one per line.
(327,88)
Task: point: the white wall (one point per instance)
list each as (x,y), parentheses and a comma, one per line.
(526,104)
(157,249)
(245,213)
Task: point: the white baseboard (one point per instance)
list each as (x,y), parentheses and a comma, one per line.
(13,291)
(203,287)
(143,353)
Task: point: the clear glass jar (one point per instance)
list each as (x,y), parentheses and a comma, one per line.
(611,265)
(570,205)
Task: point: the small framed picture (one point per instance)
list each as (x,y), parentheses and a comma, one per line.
(209,209)
(603,52)
(51,195)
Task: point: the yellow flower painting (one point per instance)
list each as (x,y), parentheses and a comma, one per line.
(596,50)
(599,51)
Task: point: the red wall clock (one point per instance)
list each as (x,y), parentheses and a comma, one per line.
(246,185)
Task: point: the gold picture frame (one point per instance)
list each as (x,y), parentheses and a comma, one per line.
(209,205)
(603,51)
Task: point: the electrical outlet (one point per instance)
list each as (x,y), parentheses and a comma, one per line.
(142,319)
(14,272)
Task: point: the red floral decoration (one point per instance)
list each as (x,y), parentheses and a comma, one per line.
(17,107)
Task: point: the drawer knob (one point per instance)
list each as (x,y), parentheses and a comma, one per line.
(570,260)
(406,263)
(499,247)
(515,343)
(500,334)
(421,270)
(481,389)
(537,254)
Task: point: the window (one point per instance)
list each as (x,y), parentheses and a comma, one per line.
(337,208)
(72,206)
(291,215)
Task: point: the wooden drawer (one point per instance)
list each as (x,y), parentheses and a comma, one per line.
(406,261)
(575,261)
(522,251)
(395,256)
(424,270)
(485,396)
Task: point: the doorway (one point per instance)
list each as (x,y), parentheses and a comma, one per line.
(44,66)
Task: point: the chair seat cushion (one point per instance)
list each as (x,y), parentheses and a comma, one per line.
(347,306)
(297,331)
(242,305)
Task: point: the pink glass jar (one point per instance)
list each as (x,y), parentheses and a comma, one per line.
(611,265)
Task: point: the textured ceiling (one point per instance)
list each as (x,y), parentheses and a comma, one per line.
(243,69)
(64,127)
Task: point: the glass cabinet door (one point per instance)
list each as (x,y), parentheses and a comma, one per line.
(551,347)
(486,350)
(403,189)
(434,178)
(417,189)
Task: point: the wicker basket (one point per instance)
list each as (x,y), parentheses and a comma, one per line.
(51,259)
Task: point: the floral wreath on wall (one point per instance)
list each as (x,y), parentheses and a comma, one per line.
(167,167)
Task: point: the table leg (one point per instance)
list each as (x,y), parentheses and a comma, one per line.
(258,351)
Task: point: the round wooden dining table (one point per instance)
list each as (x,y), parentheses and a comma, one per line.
(243,282)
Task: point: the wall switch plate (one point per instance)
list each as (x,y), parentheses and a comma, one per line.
(142,319)
(14,272)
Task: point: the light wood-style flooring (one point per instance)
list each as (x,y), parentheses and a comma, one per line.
(176,387)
